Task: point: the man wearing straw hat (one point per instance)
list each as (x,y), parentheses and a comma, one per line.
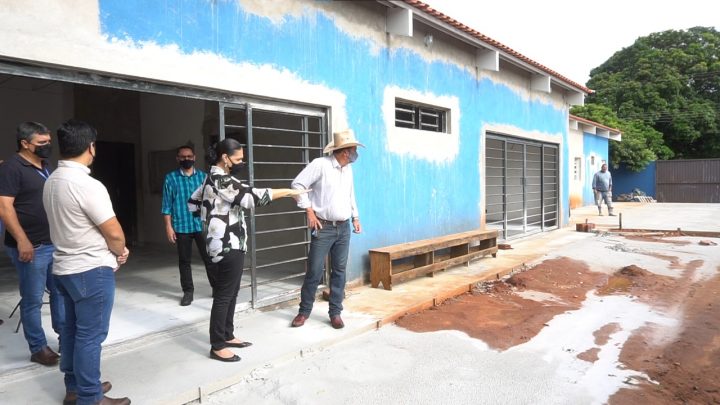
(331,211)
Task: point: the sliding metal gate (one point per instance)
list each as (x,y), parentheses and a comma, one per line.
(521,186)
(280,140)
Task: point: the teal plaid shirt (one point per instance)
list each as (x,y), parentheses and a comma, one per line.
(176,191)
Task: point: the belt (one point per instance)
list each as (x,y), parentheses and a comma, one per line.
(333,223)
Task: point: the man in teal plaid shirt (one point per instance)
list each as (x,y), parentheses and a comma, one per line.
(182,227)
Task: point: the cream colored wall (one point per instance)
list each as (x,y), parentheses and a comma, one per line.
(575,148)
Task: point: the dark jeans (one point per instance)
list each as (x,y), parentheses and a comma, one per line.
(184,247)
(336,241)
(225,285)
(88,298)
(35,277)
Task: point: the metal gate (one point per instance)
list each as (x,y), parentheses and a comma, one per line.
(521,186)
(688,181)
(280,140)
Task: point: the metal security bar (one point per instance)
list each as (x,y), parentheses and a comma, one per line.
(415,116)
(521,186)
(280,141)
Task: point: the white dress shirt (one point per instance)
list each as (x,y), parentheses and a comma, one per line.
(333,193)
(76,205)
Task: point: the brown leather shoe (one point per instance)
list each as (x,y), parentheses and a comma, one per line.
(46,356)
(299,320)
(337,322)
(71,397)
(114,401)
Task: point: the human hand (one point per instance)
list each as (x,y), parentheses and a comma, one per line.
(172,237)
(357,228)
(122,259)
(313,221)
(26,252)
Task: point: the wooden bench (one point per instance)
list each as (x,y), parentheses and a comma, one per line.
(401,262)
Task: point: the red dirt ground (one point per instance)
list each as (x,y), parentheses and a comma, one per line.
(686,368)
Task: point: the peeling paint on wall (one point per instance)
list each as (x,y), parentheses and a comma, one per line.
(410,185)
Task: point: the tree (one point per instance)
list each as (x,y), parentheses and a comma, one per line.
(641,144)
(670,81)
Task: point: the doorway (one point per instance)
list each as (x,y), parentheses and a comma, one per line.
(521,186)
(280,141)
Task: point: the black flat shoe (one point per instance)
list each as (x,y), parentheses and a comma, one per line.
(238,345)
(232,359)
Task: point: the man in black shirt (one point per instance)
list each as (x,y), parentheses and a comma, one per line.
(27,236)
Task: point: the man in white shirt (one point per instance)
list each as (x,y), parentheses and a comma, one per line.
(331,209)
(89,248)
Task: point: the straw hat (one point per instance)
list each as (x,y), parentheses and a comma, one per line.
(342,139)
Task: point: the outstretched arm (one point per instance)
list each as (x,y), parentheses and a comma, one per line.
(287,192)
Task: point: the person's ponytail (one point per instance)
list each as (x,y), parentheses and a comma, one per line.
(211,155)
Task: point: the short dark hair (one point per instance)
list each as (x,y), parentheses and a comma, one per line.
(179,148)
(227,146)
(74,137)
(26,130)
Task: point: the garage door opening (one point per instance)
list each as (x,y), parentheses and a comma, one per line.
(521,186)
(138,132)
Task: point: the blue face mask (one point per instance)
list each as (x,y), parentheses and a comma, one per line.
(353,156)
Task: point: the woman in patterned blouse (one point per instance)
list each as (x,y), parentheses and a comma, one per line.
(220,200)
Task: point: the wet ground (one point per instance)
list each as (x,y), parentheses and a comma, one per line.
(606,318)
(675,363)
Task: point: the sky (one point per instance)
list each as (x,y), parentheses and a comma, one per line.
(573,36)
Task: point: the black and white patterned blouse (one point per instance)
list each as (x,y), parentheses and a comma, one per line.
(220,200)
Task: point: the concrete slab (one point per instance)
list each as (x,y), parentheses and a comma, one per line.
(157,352)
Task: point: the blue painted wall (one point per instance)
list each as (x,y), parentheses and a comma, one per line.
(598,146)
(625,181)
(400,198)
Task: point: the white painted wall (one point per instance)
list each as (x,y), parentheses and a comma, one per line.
(575,148)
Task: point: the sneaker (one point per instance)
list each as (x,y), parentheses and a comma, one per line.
(611,214)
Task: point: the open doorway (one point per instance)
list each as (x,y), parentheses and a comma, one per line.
(138,132)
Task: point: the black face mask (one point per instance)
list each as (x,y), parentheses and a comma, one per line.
(237,169)
(43,151)
(186,164)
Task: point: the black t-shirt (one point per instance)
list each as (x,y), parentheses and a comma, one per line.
(22,180)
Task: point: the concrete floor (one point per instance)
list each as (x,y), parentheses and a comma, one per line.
(157,352)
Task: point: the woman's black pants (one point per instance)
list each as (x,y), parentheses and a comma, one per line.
(225,287)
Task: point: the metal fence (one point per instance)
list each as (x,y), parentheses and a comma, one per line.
(688,181)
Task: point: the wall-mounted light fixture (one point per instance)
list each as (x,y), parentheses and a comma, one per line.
(428,40)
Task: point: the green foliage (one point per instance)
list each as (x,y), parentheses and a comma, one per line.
(671,81)
(641,144)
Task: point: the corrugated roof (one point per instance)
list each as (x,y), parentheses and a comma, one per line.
(495,44)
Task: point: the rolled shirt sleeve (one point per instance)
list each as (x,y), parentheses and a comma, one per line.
(307,177)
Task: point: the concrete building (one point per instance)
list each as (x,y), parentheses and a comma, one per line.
(461,131)
(589,150)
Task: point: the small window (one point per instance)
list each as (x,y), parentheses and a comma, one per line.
(592,161)
(416,116)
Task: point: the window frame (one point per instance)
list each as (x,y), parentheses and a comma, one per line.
(417,112)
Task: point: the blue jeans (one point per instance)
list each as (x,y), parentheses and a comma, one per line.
(35,277)
(336,241)
(88,300)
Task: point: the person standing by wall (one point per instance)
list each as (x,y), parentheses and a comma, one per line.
(219,202)
(331,211)
(181,227)
(27,236)
(90,247)
(602,187)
